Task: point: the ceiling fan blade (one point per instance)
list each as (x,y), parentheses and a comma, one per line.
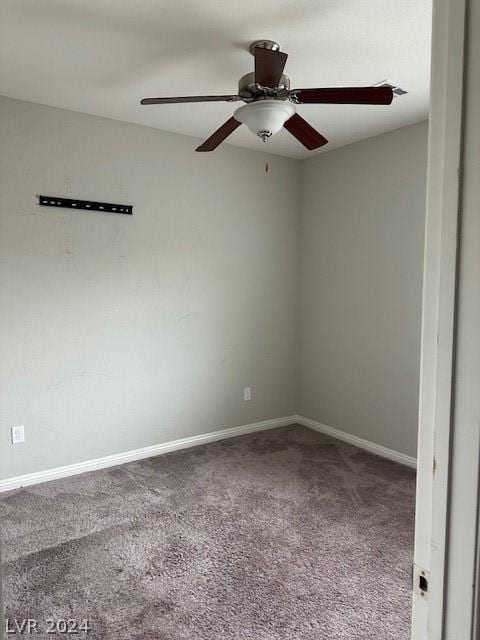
(269,66)
(219,136)
(304,132)
(190,99)
(342,95)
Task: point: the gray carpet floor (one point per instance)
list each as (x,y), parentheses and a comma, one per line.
(284,534)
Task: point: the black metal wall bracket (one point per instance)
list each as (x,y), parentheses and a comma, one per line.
(88,205)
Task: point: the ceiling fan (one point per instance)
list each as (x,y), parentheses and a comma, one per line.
(270,103)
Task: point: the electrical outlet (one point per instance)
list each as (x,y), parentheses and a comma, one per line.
(247,393)
(18,434)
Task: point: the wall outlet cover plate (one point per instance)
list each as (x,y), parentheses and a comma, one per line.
(18,434)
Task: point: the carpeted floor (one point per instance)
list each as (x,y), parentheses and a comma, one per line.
(279,535)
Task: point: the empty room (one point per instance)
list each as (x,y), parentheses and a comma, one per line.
(216,277)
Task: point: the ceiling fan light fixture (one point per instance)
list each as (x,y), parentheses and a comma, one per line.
(265,118)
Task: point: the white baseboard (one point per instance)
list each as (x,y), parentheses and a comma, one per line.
(184,443)
(138,454)
(377,449)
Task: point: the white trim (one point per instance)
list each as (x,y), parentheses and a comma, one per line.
(138,454)
(192,441)
(438,388)
(377,449)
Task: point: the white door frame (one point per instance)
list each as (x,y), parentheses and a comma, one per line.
(449,416)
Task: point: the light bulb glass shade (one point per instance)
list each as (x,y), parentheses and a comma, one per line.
(265,116)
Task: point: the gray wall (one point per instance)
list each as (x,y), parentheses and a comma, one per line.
(120,332)
(362,228)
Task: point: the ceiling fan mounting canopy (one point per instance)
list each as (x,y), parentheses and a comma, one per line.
(263,44)
(270,101)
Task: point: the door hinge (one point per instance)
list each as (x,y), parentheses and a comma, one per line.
(420,579)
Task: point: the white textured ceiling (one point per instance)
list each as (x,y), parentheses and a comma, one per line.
(102,56)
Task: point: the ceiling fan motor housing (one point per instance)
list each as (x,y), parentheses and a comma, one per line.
(249,89)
